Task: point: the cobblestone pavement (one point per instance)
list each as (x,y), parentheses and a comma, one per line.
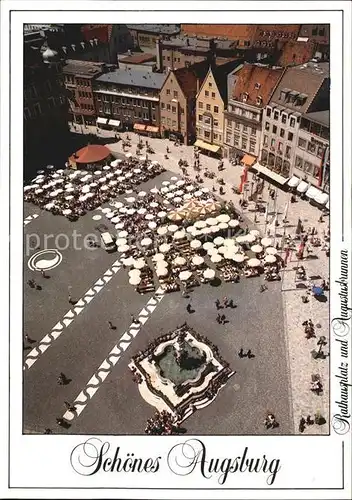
(302,366)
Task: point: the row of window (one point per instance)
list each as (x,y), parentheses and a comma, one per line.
(88,107)
(241,144)
(207,135)
(125,100)
(244,112)
(307,166)
(168,107)
(208,107)
(114,110)
(311,147)
(171,123)
(82,93)
(36,109)
(282,131)
(284,117)
(175,93)
(207,120)
(277,145)
(244,128)
(167,58)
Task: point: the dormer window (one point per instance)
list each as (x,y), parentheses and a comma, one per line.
(257,86)
(244,97)
(259,100)
(283,94)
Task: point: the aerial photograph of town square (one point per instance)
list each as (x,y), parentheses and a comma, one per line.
(176,229)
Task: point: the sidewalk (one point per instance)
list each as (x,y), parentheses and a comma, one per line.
(302,366)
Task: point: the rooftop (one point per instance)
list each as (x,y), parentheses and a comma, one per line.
(225,31)
(201,44)
(163,29)
(256,82)
(83,68)
(296,52)
(138,58)
(130,77)
(322,117)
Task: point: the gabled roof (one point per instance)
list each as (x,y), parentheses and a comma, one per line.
(187,77)
(229,31)
(306,79)
(256,81)
(296,53)
(220,74)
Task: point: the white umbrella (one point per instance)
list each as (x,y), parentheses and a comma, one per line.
(104,188)
(241,239)
(205,190)
(102,180)
(250,238)
(164,248)
(208,244)
(164,190)
(137,170)
(109,176)
(129,175)
(131,199)
(185,275)
(161,271)
(123,248)
(142,211)
(118,204)
(172,187)
(149,217)
(216,258)
(123,210)
(152,225)
(154,190)
(135,280)
(209,274)
(118,171)
(198,193)
(205,230)
(114,163)
(38,191)
(54,193)
(121,241)
(115,220)
(195,244)
(172,228)
(85,189)
(170,195)
(266,242)
(128,155)
(131,211)
(187,196)
(179,261)
(134,272)
(121,178)
(162,214)
(228,242)
(48,206)
(146,242)
(70,190)
(214,229)
(271,251)
(255,232)
(197,260)
(223,218)
(238,257)
(174,178)
(200,224)
(142,194)
(253,263)
(120,225)
(129,261)
(123,234)
(180,183)
(165,183)
(190,188)
(112,183)
(222,249)
(70,197)
(270,259)
(211,221)
(158,257)
(106,167)
(233,223)
(178,199)
(179,235)
(140,263)
(154,204)
(256,248)
(191,229)
(162,230)
(94,184)
(179,192)
(142,158)
(166,202)
(219,240)
(223,225)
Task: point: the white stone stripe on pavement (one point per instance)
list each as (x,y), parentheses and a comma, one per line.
(113,357)
(69,317)
(29,218)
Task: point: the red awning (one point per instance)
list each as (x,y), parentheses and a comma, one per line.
(139,126)
(248,160)
(91,154)
(150,128)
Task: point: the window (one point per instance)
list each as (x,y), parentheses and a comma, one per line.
(265,142)
(213,95)
(168,58)
(216,109)
(315,31)
(251,146)
(320,151)
(257,86)
(200,118)
(153,105)
(200,105)
(206,134)
(162,105)
(276,115)
(168,90)
(216,123)
(37,109)
(228,137)
(182,110)
(236,140)
(169,121)
(244,97)
(290,136)
(321,31)
(208,107)
(206,93)
(288,152)
(302,143)
(272,143)
(259,101)
(153,117)
(280,148)
(174,123)
(283,118)
(237,126)
(282,132)
(207,120)
(253,131)
(267,126)
(210,84)
(168,107)
(245,129)
(175,94)
(299,162)
(283,95)
(308,167)
(215,136)
(274,129)
(27,113)
(244,144)
(292,122)
(311,147)
(174,109)
(268,112)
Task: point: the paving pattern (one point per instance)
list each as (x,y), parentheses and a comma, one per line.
(114,356)
(70,316)
(29,219)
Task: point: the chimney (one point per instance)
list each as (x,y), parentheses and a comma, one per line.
(159,55)
(197,85)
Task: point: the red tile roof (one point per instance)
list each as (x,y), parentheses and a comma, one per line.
(229,31)
(277,32)
(138,58)
(187,77)
(248,78)
(296,53)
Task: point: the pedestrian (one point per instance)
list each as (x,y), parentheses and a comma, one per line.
(217,303)
(309,420)
(43,273)
(249,354)
(48,431)
(302,425)
(62,379)
(111,326)
(70,407)
(189,308)
(223,318)
(231,304)
(225,302)
(241,353)
(218,318)
(263,287)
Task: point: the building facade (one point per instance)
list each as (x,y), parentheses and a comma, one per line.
(210,106)
(302,89)
(78,79)
(243,35)
(129,99)
(312,155)
(146,35)
(252,90)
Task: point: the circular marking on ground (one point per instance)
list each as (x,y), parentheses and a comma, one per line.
(96,217)
(45,260)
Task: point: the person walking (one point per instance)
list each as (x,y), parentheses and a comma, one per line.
(217,303)
(225,302)
(48,431)
(218,318)
(111,326)
(241,353)
(223,319)
(70,407)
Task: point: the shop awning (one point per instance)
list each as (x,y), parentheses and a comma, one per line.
(204,145)
(302,187)
(312,192)
(269,173)
(249,160)
(101,120)
(293,182)
(139,126)
(114,123)
(322,198)
(150,128)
